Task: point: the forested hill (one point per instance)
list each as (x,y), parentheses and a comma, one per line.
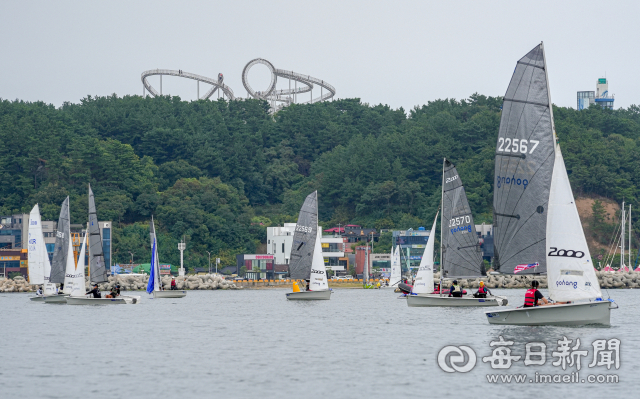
(220,172)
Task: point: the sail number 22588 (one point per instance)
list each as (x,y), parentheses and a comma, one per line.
(516,145)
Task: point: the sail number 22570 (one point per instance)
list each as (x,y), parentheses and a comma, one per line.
(516,145)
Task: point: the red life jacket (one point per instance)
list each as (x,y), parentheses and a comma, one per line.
(530,297)
(481,290)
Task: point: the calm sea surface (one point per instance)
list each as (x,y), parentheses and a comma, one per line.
(256,344)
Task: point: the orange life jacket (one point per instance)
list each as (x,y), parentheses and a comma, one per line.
(530,297)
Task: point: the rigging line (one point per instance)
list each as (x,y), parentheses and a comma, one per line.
(614,237)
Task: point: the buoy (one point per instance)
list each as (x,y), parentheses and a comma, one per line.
(295,287)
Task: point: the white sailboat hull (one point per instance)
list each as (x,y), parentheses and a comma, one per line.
(309,295)
(428,300)
(170,294)
(38,298)
(55,299)
(573,314)
(99,301)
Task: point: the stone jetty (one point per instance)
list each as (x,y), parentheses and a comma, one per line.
(135,283)
(213,282)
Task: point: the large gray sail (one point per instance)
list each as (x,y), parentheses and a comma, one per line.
(304,239)
(61,249)
(97,268)
(461,254)
(523,168)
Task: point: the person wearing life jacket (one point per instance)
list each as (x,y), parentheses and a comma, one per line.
(173,284)
(532,296)
(482,291)
(455,290)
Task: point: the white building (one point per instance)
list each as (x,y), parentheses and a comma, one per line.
(280,239)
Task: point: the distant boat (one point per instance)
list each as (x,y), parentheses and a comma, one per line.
(155,284)
(395,278)
(535,216)
(97,267)
(306,262)
(461,255)
(61,255)
(38,264)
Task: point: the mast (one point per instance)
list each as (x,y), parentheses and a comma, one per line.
(622,238)
(441,229)
(629,235)
(546,75)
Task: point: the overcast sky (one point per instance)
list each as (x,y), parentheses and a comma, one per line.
(400,53)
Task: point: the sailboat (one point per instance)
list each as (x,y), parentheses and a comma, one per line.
(60,255)
(97,267)
(461,256)
(307,262)
(38,265)
(155,285)
(536,221)
(424,278)
(395,277)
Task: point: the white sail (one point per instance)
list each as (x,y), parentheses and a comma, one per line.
(396,267)
(424,277)
(75,286)
(36,266)
(318,279)
(569,267)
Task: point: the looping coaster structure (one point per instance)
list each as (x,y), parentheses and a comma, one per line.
(278,98)
(281,98)
(216,84)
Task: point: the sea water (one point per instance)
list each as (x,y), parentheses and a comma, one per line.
(256,344)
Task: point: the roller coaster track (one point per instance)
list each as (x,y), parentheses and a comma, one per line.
(284,97)
(216,84)
(278,98)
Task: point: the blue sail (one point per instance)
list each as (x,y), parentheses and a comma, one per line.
(152,269)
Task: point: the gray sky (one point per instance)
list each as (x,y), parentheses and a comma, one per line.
(400,53)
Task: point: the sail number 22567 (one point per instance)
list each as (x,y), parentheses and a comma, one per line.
(304,229)
(516,145)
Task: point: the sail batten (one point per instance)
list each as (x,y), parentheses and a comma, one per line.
(304,239)
(523,168)
(461,254)
(97,267)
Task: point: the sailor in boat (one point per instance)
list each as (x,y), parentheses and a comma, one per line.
(482,291)
(532,296)
(118,289)
(307,285)
(455,290)
(173,284)
(95,291)
(113,293)
(39,291)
